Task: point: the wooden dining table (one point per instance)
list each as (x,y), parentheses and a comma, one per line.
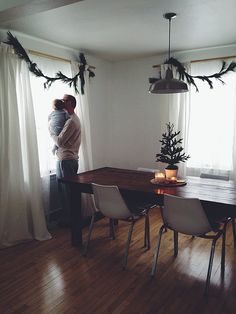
(218,197)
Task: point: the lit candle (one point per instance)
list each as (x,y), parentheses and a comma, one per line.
(160,177)
(173,179)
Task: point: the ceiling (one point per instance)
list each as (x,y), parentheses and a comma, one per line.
(117,30)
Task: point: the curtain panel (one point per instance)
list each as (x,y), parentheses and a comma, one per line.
(176,110)
(85,153)
(42,102)
(207,121)
(212,124)
(21,211)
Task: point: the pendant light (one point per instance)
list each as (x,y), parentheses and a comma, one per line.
(168,85)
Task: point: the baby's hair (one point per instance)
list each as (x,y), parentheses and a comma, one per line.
(58,104)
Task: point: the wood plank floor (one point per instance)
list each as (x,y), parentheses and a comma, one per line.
(53,277)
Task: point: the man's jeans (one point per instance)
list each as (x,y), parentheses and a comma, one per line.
(65,168)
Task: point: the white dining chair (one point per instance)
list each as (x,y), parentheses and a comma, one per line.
(187,216)
(153,170)
(222,177)
(111,204)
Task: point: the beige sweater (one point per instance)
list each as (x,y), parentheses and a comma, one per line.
(68,141)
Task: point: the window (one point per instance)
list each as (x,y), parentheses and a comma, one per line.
(212,121)
(42,101)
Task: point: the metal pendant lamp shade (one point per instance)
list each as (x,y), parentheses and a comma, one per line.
(168,85)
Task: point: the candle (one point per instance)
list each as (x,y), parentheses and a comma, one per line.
(173,179)
(160,177)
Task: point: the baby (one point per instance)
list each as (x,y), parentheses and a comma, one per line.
(57,119)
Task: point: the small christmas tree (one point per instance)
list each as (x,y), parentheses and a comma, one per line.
(171,150)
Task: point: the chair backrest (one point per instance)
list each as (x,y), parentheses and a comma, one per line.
(109,201)
(148,169)
(185,215)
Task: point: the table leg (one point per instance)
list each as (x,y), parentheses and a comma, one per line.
(75,216)
(234,232)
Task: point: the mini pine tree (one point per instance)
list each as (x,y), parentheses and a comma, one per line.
(171,150)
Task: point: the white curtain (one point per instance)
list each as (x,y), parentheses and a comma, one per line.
(177,113)
(85,153)
(212,144)
(21,211)
(42,100)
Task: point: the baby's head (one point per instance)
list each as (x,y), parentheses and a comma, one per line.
(58,104)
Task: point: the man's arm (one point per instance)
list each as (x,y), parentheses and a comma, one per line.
(65,134)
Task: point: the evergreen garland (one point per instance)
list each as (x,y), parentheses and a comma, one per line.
(171,150)
(185,76)
(33,68)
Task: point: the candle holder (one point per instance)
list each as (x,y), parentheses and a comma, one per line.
(160,177)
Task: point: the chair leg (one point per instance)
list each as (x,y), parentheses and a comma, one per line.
(234,232)
(112,229)
(89,235)
(128,244)
(175,243)
(210,266)
(161,209)
(147,233)
(223,251)
(156,253)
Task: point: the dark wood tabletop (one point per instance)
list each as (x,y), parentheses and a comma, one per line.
(211,190)
(217,196)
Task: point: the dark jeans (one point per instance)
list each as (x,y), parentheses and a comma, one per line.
(65,168)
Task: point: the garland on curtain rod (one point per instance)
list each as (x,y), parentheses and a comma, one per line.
(22,54)
(183,75)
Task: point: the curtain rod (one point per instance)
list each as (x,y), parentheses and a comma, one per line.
(201,60)
(42,54)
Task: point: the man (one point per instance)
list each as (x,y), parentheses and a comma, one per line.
(68,142)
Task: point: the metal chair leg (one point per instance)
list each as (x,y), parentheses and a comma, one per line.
(147,233)
(89,235)
(154,264)
(175,243)
(127,245)
(210,266)
(161,209)
(112,229)
(234,232)
(223,252)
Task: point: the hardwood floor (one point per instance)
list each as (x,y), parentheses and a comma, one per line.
(53,277)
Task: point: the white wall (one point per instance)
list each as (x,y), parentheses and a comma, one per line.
(134,116)
(100,88)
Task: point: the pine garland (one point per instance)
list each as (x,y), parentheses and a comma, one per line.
(33,68)
(185,76)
